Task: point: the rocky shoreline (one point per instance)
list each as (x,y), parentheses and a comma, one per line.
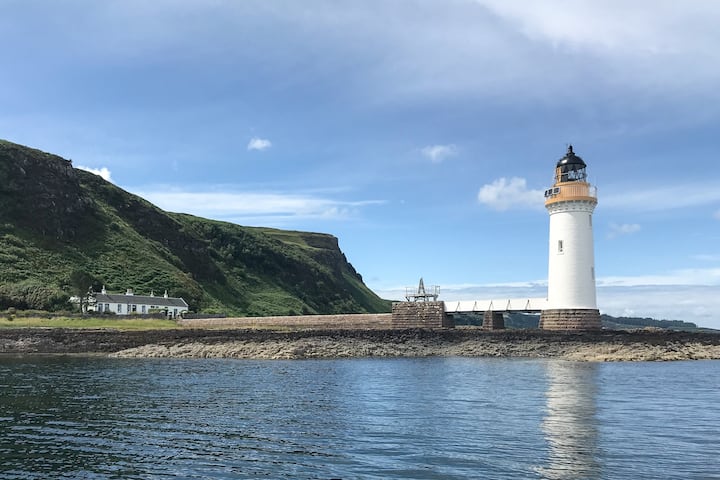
(641,345)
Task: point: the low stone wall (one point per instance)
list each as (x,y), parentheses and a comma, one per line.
(570,319)
(420,315)
(404,315)
(333,322)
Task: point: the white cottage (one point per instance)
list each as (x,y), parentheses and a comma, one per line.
(129,303)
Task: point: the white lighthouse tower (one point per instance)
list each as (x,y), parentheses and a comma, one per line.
(570,202)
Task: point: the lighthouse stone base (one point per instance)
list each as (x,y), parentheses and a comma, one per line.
(570,319)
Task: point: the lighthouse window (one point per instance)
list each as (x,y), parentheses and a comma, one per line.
(590,218)
(560,246)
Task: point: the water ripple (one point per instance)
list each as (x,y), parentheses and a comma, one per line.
(451,418)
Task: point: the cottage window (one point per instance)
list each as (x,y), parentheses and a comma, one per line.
(119,307)
(142,308)
(107,307)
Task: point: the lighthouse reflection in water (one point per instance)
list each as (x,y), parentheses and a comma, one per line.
(569,425)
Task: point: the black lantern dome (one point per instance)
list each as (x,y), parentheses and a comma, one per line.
(571,168)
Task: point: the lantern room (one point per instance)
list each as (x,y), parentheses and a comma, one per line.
(570,168)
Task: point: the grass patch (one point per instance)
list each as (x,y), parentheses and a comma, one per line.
(89,322)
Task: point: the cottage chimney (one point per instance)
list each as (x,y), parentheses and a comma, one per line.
(103,291)
(166,295)
(152,293)
(129,291)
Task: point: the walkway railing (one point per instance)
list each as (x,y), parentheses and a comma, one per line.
(501,305)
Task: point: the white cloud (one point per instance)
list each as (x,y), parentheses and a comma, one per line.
(617,230)
(685,276)
(103,172)
(503,194)
(427,49)
(438,153)
(254,207)
(647,28)
(694,303)
(629,47)
(259,144)
(663,197)
(583,23)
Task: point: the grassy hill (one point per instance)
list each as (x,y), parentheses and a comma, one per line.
(56,220)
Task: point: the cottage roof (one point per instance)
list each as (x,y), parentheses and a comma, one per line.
(140,300)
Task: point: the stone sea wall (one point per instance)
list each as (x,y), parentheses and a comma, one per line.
(304,344)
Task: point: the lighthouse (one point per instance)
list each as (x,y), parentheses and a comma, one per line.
(571,301)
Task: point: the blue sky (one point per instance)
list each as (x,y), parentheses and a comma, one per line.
(420,133)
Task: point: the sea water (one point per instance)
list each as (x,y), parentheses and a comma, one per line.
(423,418)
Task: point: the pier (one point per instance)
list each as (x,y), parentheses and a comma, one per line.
(438,314)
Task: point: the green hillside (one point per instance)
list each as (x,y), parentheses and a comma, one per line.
(56,220)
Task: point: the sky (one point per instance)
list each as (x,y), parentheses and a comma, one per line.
(420,133)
